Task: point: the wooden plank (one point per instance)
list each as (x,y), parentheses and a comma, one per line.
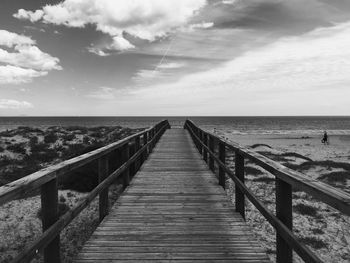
(173,210)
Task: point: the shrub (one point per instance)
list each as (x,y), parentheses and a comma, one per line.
(4,160)
(297,155)
(50,138)
(27,129)
(314,242)
(68,137)
(62,199)
(336,177)
(33,141)
(17,148)
(305,209)
(264,179)
(252,170)
(77,128)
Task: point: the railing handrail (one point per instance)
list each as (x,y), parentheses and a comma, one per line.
(20,188)
(285,179)
(326,193)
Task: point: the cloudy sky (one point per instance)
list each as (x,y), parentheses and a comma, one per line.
(175,57)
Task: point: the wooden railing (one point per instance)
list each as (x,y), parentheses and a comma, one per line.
(132,153)
(214,149)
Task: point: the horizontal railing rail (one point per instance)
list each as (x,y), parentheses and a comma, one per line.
(131,153)
(213,150)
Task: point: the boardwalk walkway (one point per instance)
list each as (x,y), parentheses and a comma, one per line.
(173,210)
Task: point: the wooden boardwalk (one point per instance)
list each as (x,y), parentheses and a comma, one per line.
(173,210)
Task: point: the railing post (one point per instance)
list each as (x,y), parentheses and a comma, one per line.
(132,165)
(239,172)
(49,215)
(137,148)
(222,157)
(200,140)
(126,174)
(212,149)
(284,213)
(205,152)
(145,152)
(103,196)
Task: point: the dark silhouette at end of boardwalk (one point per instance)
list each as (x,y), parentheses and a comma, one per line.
(173,207)
(325,138)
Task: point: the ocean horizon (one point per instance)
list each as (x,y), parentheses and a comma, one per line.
(298,125)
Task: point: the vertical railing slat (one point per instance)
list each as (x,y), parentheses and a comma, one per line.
(49,215)
(239,195)
(126,173)
(222,157)
(212,149)
(205,152)
(103,196)
(284,254)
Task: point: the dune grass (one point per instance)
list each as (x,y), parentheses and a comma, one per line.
(305,209)
(335,177)
(259,145)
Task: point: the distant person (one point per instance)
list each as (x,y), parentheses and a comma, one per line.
(325,138)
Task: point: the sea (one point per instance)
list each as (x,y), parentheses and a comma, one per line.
(294,125)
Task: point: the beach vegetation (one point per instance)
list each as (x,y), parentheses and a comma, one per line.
(249,170)
(297,155)
(50,138)
(335,177)
(264,179)
(17,148)
(77,129)
(68,137)
(313,242)
(305,209)
(33,141)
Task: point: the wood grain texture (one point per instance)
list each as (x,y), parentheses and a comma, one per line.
(173,210)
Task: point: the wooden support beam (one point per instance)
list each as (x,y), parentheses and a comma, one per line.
(205,152)
(103,196)
(132,151)
(49,215)
(145,153)
(137,147)
(284,253)
(126,174)
(239,173)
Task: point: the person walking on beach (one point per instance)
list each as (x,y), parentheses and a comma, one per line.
(325,138)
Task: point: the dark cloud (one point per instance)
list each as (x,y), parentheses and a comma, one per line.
(280,16)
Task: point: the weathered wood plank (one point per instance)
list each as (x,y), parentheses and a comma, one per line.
(173,210)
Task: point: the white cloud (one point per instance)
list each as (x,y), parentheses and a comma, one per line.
(29,57)
(16,75)
(29,15)
(143,19)
(14,104)
(171,65)
(103,93)
(203,25)
(10,39)
(294,75)
(120,43)
(24,61)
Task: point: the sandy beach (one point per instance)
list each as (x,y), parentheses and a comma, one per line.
(322,228)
